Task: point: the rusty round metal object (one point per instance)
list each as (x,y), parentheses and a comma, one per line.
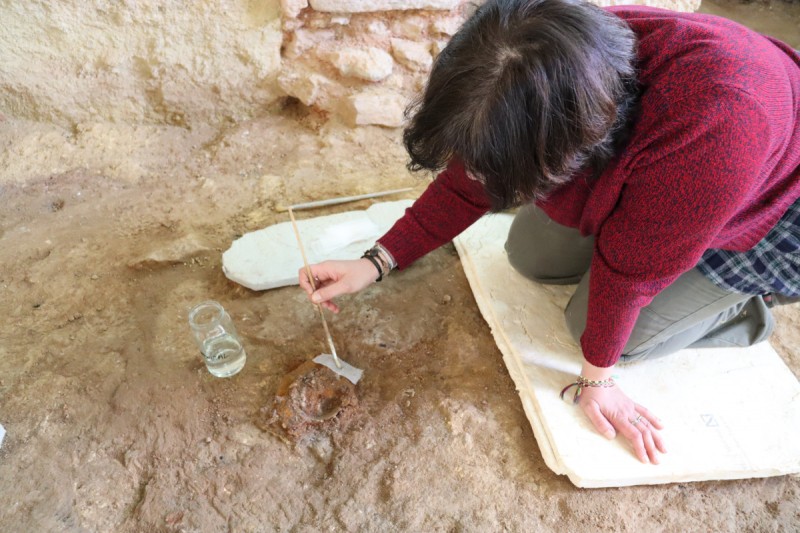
(312,398)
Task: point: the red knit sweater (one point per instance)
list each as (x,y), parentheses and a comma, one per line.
(713,162)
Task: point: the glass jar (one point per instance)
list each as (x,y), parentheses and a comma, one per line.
(215,335)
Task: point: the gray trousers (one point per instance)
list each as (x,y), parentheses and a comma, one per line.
(692,312)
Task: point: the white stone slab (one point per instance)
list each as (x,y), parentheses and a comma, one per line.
(728,413)
(270,257)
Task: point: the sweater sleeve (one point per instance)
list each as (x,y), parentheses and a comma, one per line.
(450,204)
(698,163)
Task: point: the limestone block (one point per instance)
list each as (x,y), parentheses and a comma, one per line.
(414,55)
(377,106)
(370,64)
(447,25)
(306,88)
(410,27)
(292,8)
(365,6)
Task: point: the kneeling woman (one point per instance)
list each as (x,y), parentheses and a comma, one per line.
(657,159)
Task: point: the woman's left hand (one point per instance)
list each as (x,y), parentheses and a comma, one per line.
(612,411)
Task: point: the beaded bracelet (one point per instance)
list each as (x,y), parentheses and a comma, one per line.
(385,257)
(582,382)
(381,258)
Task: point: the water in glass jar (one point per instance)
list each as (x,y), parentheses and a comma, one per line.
(224,355)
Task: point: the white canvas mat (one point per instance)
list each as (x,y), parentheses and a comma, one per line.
(728,413)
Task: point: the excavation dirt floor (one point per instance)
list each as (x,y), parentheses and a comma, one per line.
(109,233)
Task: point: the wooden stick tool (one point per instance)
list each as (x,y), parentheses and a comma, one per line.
(331,360)
(314,286)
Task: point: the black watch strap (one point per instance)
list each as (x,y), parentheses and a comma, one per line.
(368,255)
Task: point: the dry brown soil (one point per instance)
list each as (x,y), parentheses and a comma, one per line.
(109,233)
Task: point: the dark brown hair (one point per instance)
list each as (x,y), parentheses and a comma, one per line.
(525,94)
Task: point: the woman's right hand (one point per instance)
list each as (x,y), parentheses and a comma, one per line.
(335,278)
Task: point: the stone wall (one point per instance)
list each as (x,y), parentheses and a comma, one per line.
(185,62)
(363,60)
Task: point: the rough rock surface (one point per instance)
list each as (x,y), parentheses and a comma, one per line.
(381,107)
(182,63)
(182,249)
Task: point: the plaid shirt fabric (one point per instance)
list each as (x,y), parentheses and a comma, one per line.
(772,266)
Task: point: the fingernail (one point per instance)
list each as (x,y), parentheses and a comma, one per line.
(316,297)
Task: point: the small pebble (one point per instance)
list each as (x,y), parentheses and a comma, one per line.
(446,299)
(95,277)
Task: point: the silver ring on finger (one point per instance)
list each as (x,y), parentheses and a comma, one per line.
(636,420)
